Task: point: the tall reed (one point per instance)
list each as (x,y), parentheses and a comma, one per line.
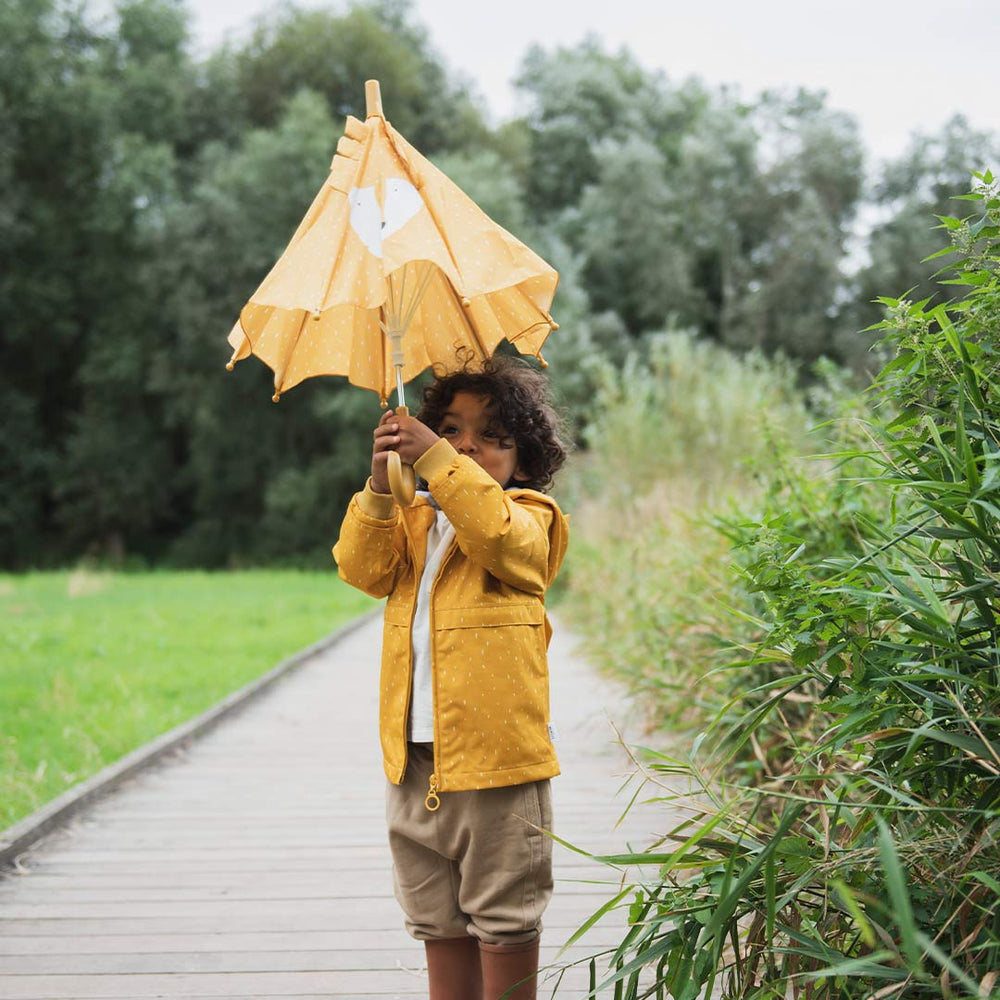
(679,432)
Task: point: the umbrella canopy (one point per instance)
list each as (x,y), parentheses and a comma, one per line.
(392,250)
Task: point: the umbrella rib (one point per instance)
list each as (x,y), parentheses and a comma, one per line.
(397,141)
(402,293)
(279,374)
(389,306)
(362,162)
(463,312)
(425,280)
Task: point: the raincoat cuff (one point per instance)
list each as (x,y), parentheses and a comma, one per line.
(436,460)
(376,505)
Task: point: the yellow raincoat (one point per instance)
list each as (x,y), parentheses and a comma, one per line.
(489,630)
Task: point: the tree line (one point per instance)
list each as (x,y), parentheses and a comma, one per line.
(145,192)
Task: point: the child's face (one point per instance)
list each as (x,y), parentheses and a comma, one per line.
(469,425)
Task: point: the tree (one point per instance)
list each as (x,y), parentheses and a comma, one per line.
(795,228)
(54,124)
(688,207)
(577,98)
(333,54)
(789,304)
(637,262)
(117,486)
(909,193)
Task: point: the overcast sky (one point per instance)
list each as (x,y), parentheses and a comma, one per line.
(897,65)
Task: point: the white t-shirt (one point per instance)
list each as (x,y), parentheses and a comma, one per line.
(421,723)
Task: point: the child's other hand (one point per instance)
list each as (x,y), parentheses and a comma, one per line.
(386,440)
(407,435)
(415,438)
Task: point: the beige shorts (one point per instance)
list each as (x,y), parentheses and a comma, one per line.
(474,866)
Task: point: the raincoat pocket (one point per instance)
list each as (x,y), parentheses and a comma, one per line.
(492,685)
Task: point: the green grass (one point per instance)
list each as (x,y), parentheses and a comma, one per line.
(93,665)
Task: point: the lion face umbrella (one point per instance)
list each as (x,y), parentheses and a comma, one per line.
(392,269)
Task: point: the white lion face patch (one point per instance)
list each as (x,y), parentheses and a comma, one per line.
(373,222)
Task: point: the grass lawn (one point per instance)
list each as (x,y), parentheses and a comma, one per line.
(93,665)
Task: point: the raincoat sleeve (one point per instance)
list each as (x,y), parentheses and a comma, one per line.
(519,537)
(371,549)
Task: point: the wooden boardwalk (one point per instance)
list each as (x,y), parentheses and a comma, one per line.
(255,863)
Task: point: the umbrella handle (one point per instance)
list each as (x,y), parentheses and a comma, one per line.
(402,480)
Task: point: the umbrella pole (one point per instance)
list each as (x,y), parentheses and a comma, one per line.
(402,479)
(396,339)
(397,315)
(400,397)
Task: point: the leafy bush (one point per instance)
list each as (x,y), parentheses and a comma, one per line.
(844,838)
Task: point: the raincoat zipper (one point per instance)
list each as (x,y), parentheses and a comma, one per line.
(433,800)
(409,671)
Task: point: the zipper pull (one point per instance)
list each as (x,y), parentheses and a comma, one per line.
(433,802)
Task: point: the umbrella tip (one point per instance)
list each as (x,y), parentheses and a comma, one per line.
(373,99)
(276,397)
(229,366)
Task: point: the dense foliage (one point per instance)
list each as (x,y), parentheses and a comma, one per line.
(843,796)
(145,192)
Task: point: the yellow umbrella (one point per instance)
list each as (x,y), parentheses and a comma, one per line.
(392,269)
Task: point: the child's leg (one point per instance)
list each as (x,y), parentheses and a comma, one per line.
(509,965)
(506,883)
(426,885)
(478,866)
(425,877)
(454,971)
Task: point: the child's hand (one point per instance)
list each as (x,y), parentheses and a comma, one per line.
(415,438)
(385,441)
(407,435)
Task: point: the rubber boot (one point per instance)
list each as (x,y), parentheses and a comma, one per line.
(453,968)
(509,967)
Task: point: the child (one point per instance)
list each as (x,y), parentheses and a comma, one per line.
(464,700)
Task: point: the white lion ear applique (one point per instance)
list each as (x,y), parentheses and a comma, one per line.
(374,223)
(402,202)
(366,218)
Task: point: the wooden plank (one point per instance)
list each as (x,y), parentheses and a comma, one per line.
(347,983)
(187,942)
(90,857)
(406,953)
(263,943)
(321,910)
(328,984)
(142,876)
(367,915)
(310,885)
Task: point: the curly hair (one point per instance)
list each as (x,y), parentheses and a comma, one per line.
(520,406)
